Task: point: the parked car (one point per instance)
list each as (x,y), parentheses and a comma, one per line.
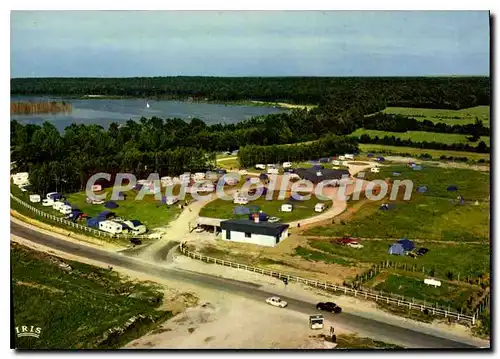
(354,245)
(47,202)
(273,219)
(329,307)
(277,302)
(422,251)
(135,241)
(319,207)
(260,166)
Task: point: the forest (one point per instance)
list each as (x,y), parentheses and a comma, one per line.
(367,94)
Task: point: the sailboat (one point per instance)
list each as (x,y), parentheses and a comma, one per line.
(147,104)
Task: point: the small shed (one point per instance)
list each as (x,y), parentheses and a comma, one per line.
(110,204)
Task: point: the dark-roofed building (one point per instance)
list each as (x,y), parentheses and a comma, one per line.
(316,176)
(247,231)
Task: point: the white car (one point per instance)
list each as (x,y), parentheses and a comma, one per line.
(240,200)
(273,219)
(260,166)
(277,302)
(354,245)
(287,164)
(243,172)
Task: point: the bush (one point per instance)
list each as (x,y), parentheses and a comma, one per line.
(449,275)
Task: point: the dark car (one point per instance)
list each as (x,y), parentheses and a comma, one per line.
(422,251)
(329,307)
(135,241)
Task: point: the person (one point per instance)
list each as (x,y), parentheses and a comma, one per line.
(298,225)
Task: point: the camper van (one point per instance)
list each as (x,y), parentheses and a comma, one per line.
(136,227)
(35,198)
(319,207)
(287,164)
(58,205)
(260,166)
(111,227)
(241,200)
(349,156)
(375,169)
(287,207)
(47,202)
(65,209)
(272,171)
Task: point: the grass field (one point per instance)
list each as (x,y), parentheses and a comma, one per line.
(434,215)
(224,209)
(76,307)
(149,211)
(421,136)
(230,162)
(412,151)
(446,295)
(463,258)
(450,117)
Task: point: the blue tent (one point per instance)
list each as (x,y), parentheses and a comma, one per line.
(380,159)
(93,222)
(55,196)
(369,155)
(407,244)
(110,204)
(241,210)
(397,249)
(263,176)
(422,189)
(105,214)
(452,188)
(136,222)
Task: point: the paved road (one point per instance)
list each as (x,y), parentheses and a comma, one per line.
(368,327)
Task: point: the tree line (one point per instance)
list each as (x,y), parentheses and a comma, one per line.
(481,147)
(64,162)
(435,92)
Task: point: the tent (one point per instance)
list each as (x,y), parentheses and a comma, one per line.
(136,222)
(452,188)
(407,244)
(138,186)
(241,210)
(417,168)
(93,222)
(110,204)
(397,249)
(380,159)
(263,176)
(369,155)
(385,206)
(422,189)
(396,174)
(105,215)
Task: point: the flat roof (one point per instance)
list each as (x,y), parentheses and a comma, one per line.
(249,226)
(208,221)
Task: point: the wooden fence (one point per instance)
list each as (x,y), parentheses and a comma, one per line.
(388,298)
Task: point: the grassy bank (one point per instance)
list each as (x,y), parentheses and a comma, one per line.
(415,152)
(421,136)
(225,209)
(450,117)
(77,306)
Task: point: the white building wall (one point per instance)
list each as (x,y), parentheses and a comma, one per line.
(259,239)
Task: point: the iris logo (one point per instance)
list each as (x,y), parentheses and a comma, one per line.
(28,331)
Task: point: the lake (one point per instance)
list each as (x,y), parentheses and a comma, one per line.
(106,111)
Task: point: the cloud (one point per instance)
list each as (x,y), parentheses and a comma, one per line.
(332,43)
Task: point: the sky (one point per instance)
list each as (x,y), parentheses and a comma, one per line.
(248,43)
